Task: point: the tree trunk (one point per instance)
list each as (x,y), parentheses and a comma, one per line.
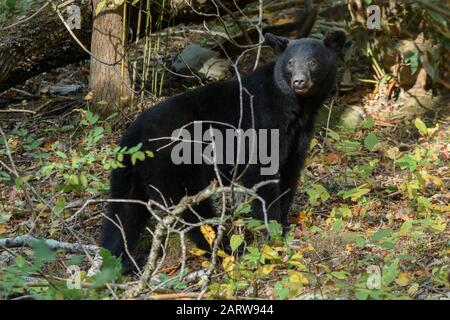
(40,44)
(109,77)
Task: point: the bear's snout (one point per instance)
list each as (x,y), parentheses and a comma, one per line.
(301,84)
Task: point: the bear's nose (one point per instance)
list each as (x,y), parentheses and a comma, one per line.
(299,82)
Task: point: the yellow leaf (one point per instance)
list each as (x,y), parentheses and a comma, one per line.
(296,256)
(295,261)
(54,231)
(441,208)
(403,279)
(439,227)
(431,131)
(266,269)
(222,254)
(437,181)
(413,289)
(198,252)
(228,263)
(44,215)
(297,277)
(270,253)
(208,233)
(313,143)
(206,264)
(392,153)
(3,228)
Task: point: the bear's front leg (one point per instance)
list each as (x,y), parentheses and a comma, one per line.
(269,196)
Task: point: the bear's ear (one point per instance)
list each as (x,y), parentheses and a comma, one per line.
(335,40)
(278,44)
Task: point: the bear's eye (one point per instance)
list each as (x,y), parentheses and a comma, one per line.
(312,63)
(291,64)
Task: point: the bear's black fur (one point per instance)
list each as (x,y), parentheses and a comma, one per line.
(284,95)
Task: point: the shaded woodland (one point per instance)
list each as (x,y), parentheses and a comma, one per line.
(370,218)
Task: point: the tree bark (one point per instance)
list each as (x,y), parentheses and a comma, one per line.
(109,77)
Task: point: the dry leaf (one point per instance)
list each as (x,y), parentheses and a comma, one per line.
(208,232)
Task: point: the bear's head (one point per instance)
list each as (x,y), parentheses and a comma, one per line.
(307,66)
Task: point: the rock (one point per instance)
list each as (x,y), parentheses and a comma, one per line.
(352,117)
(204,62)
(215,69)
(349,117)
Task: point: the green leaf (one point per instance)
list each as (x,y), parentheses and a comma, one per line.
(60,205)
(19,181)
(5,176)
(111,269)
(360,241)
(406,227)
(235,241)
(135,148)
(42,252)
(243,208)
(421,126)
(370,141)
(368,123)
(333,135)
(73,180)
(424,202)
(75,260)
(413,57)
(337,225)
(388,245)
(438,18)
(34,145)
(354,193)
(280,291)
(316,192)
(390,272)
(100,6)
(341,275)
(83,180)
(133,159)
(61,154)
(362,294)
(91,117)
(407,162)
(381,234)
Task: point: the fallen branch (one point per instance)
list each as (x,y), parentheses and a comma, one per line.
(27,241)
(173,216)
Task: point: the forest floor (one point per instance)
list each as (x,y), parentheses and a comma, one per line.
(370,218)
(373,197)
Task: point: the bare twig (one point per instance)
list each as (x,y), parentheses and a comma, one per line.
(27,241)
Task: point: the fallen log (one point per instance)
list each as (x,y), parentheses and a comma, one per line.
(41,42)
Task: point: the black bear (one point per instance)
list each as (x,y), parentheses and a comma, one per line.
(283,95)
